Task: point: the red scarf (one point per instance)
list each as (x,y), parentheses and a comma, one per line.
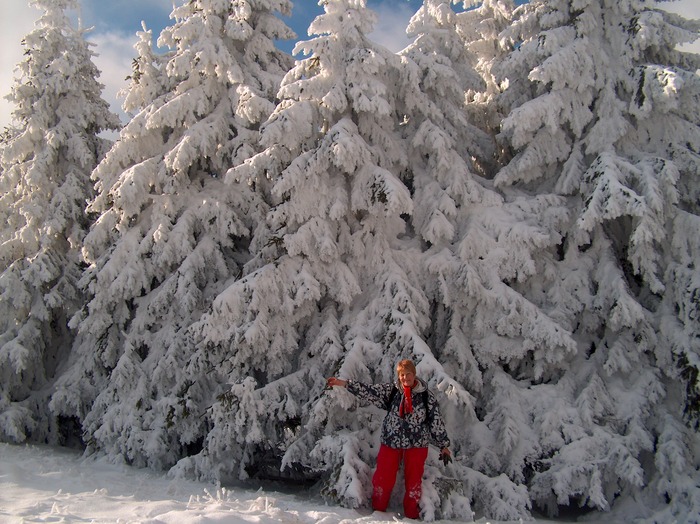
(406,404)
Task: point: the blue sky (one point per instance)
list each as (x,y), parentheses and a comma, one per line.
(115,23)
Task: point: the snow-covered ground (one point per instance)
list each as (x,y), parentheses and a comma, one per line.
(44,484)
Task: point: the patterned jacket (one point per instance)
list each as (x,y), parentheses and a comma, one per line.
(412,430)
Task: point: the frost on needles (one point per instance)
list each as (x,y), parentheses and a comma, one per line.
(512,201)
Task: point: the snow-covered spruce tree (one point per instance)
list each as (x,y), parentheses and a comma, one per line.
(171,232)
(336,287)
(147,81)
(477,243)
(484,31)
(603,110)
(45,160)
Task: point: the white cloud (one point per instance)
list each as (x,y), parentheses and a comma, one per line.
(688,9)
(115,51)
(390,30)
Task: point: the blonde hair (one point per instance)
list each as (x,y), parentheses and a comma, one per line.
(406,365)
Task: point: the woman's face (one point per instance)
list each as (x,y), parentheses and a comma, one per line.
(407,378)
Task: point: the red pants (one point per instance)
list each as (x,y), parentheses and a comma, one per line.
(388,461)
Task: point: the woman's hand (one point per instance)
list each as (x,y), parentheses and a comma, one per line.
(334,381)
(445,456)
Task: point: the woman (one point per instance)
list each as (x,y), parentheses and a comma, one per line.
(413,421)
